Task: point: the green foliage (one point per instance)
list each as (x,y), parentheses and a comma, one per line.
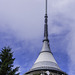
(6,62)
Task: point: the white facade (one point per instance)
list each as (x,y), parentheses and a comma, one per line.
(45,56)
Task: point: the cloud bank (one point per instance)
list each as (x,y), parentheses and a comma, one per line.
(24,20)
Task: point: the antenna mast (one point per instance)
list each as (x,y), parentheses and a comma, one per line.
(46,26)
(46,7)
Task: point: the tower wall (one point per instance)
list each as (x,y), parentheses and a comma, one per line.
(45,73)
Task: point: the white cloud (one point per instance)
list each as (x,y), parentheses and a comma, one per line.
(20,17)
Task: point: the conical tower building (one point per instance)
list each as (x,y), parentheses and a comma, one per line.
(45,63)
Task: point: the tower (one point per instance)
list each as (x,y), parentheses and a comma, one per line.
(45,63)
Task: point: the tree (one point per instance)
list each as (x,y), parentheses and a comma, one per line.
(6,62)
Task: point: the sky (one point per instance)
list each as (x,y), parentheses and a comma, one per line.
(22,28)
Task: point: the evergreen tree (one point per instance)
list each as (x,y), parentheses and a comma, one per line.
(6,62)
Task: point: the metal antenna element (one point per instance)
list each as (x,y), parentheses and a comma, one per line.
(46,26)
(46,7)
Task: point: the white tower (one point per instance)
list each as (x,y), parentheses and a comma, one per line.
(45,63)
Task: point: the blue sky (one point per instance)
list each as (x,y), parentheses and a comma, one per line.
(21,28)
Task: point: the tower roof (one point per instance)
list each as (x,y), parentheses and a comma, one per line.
(45,60)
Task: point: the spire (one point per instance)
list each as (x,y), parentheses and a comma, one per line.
(45,25)
(45,61)
(46,7)
(46,47)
